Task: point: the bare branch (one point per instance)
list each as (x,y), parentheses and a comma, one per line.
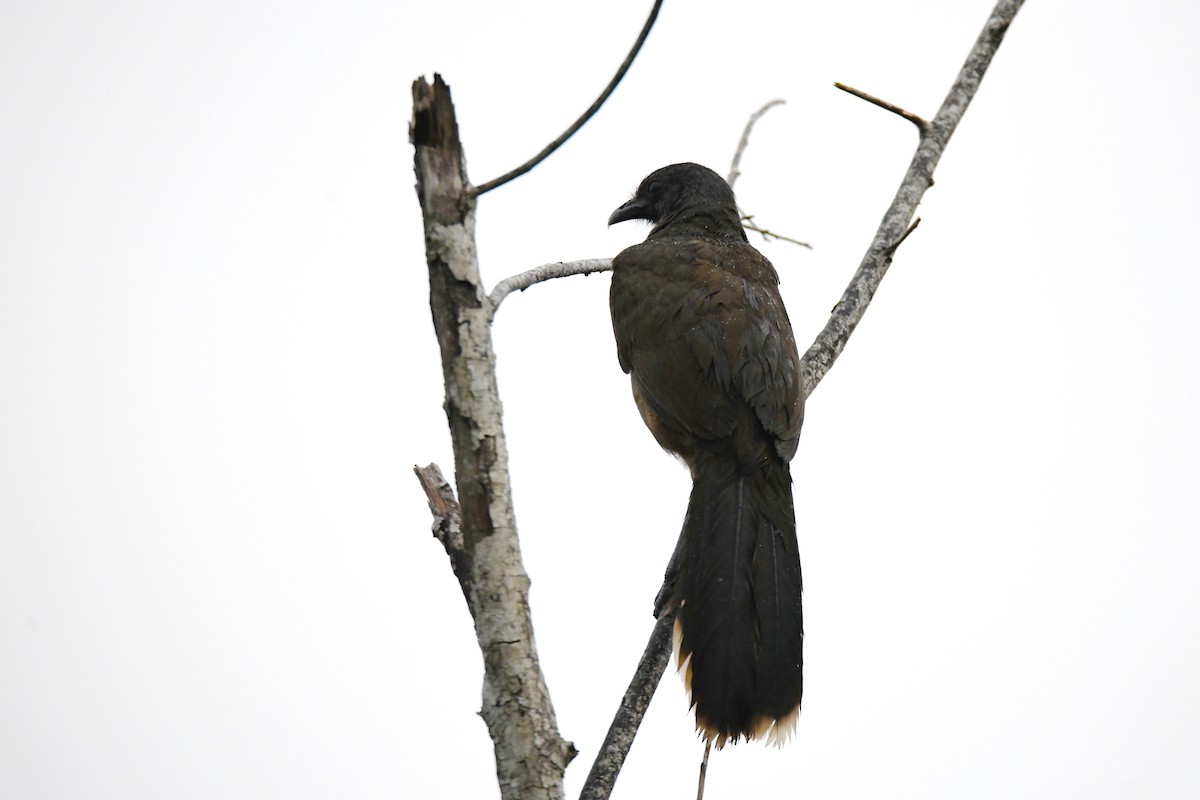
(557,269)
(624,727)
(579,123)
(735,165)
(921,124)
(896,221)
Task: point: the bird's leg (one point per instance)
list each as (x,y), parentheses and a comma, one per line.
(662,601)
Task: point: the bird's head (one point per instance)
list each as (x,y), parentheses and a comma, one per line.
(667,192)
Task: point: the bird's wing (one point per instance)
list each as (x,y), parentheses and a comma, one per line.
(701,327)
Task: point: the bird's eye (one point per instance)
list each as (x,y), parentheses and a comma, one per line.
(653,188)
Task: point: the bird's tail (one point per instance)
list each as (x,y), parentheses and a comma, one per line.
(736,581)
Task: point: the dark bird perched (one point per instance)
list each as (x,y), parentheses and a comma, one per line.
(702,331)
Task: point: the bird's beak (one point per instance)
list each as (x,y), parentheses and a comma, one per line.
(637,208)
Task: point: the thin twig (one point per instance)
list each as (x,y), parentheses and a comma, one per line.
(921,124)
(735,172)
(703,769)
(766,234)
(569,132)
(557,269)
(735,165)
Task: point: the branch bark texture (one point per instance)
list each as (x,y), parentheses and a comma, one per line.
(628,719)
(531,756)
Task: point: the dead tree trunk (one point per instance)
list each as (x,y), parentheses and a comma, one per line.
(531,757)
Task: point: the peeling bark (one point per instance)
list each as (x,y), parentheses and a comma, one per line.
(531,756)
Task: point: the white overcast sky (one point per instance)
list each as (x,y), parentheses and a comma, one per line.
(217,369)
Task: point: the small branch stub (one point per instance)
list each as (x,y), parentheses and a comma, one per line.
(921,124)
(447,520)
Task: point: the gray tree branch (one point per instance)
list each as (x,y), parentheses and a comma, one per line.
(628,719)
(830,342)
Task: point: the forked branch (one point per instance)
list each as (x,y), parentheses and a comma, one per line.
(735,171)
